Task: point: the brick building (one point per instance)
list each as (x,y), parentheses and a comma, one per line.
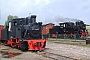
(45,28)
(1,27)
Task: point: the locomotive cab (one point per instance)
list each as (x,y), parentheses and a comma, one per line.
(68,27)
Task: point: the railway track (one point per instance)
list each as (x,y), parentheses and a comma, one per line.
(6,53)
(55,56)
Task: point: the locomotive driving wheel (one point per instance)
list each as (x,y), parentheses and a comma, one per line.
(23,46)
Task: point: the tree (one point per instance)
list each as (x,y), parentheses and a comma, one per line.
(9,18)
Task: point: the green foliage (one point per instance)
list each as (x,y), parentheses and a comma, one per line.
(9,18)
(70,42)
(87,25)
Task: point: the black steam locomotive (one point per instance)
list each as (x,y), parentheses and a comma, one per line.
(70,28)
(24,33)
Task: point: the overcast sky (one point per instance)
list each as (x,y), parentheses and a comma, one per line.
(46,10)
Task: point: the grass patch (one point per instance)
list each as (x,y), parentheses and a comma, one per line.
(70,42)
(88,28)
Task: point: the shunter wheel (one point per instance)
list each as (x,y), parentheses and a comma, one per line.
(24,46)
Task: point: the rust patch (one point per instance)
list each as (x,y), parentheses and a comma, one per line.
(6,54)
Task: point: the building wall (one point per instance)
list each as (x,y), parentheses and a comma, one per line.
(1,27)
(45,28)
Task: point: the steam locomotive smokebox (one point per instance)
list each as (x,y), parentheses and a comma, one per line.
(88,41)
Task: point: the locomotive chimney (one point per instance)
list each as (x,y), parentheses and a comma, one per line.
(33,18)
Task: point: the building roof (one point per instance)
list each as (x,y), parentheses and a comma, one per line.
(49,24)
(1,25)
